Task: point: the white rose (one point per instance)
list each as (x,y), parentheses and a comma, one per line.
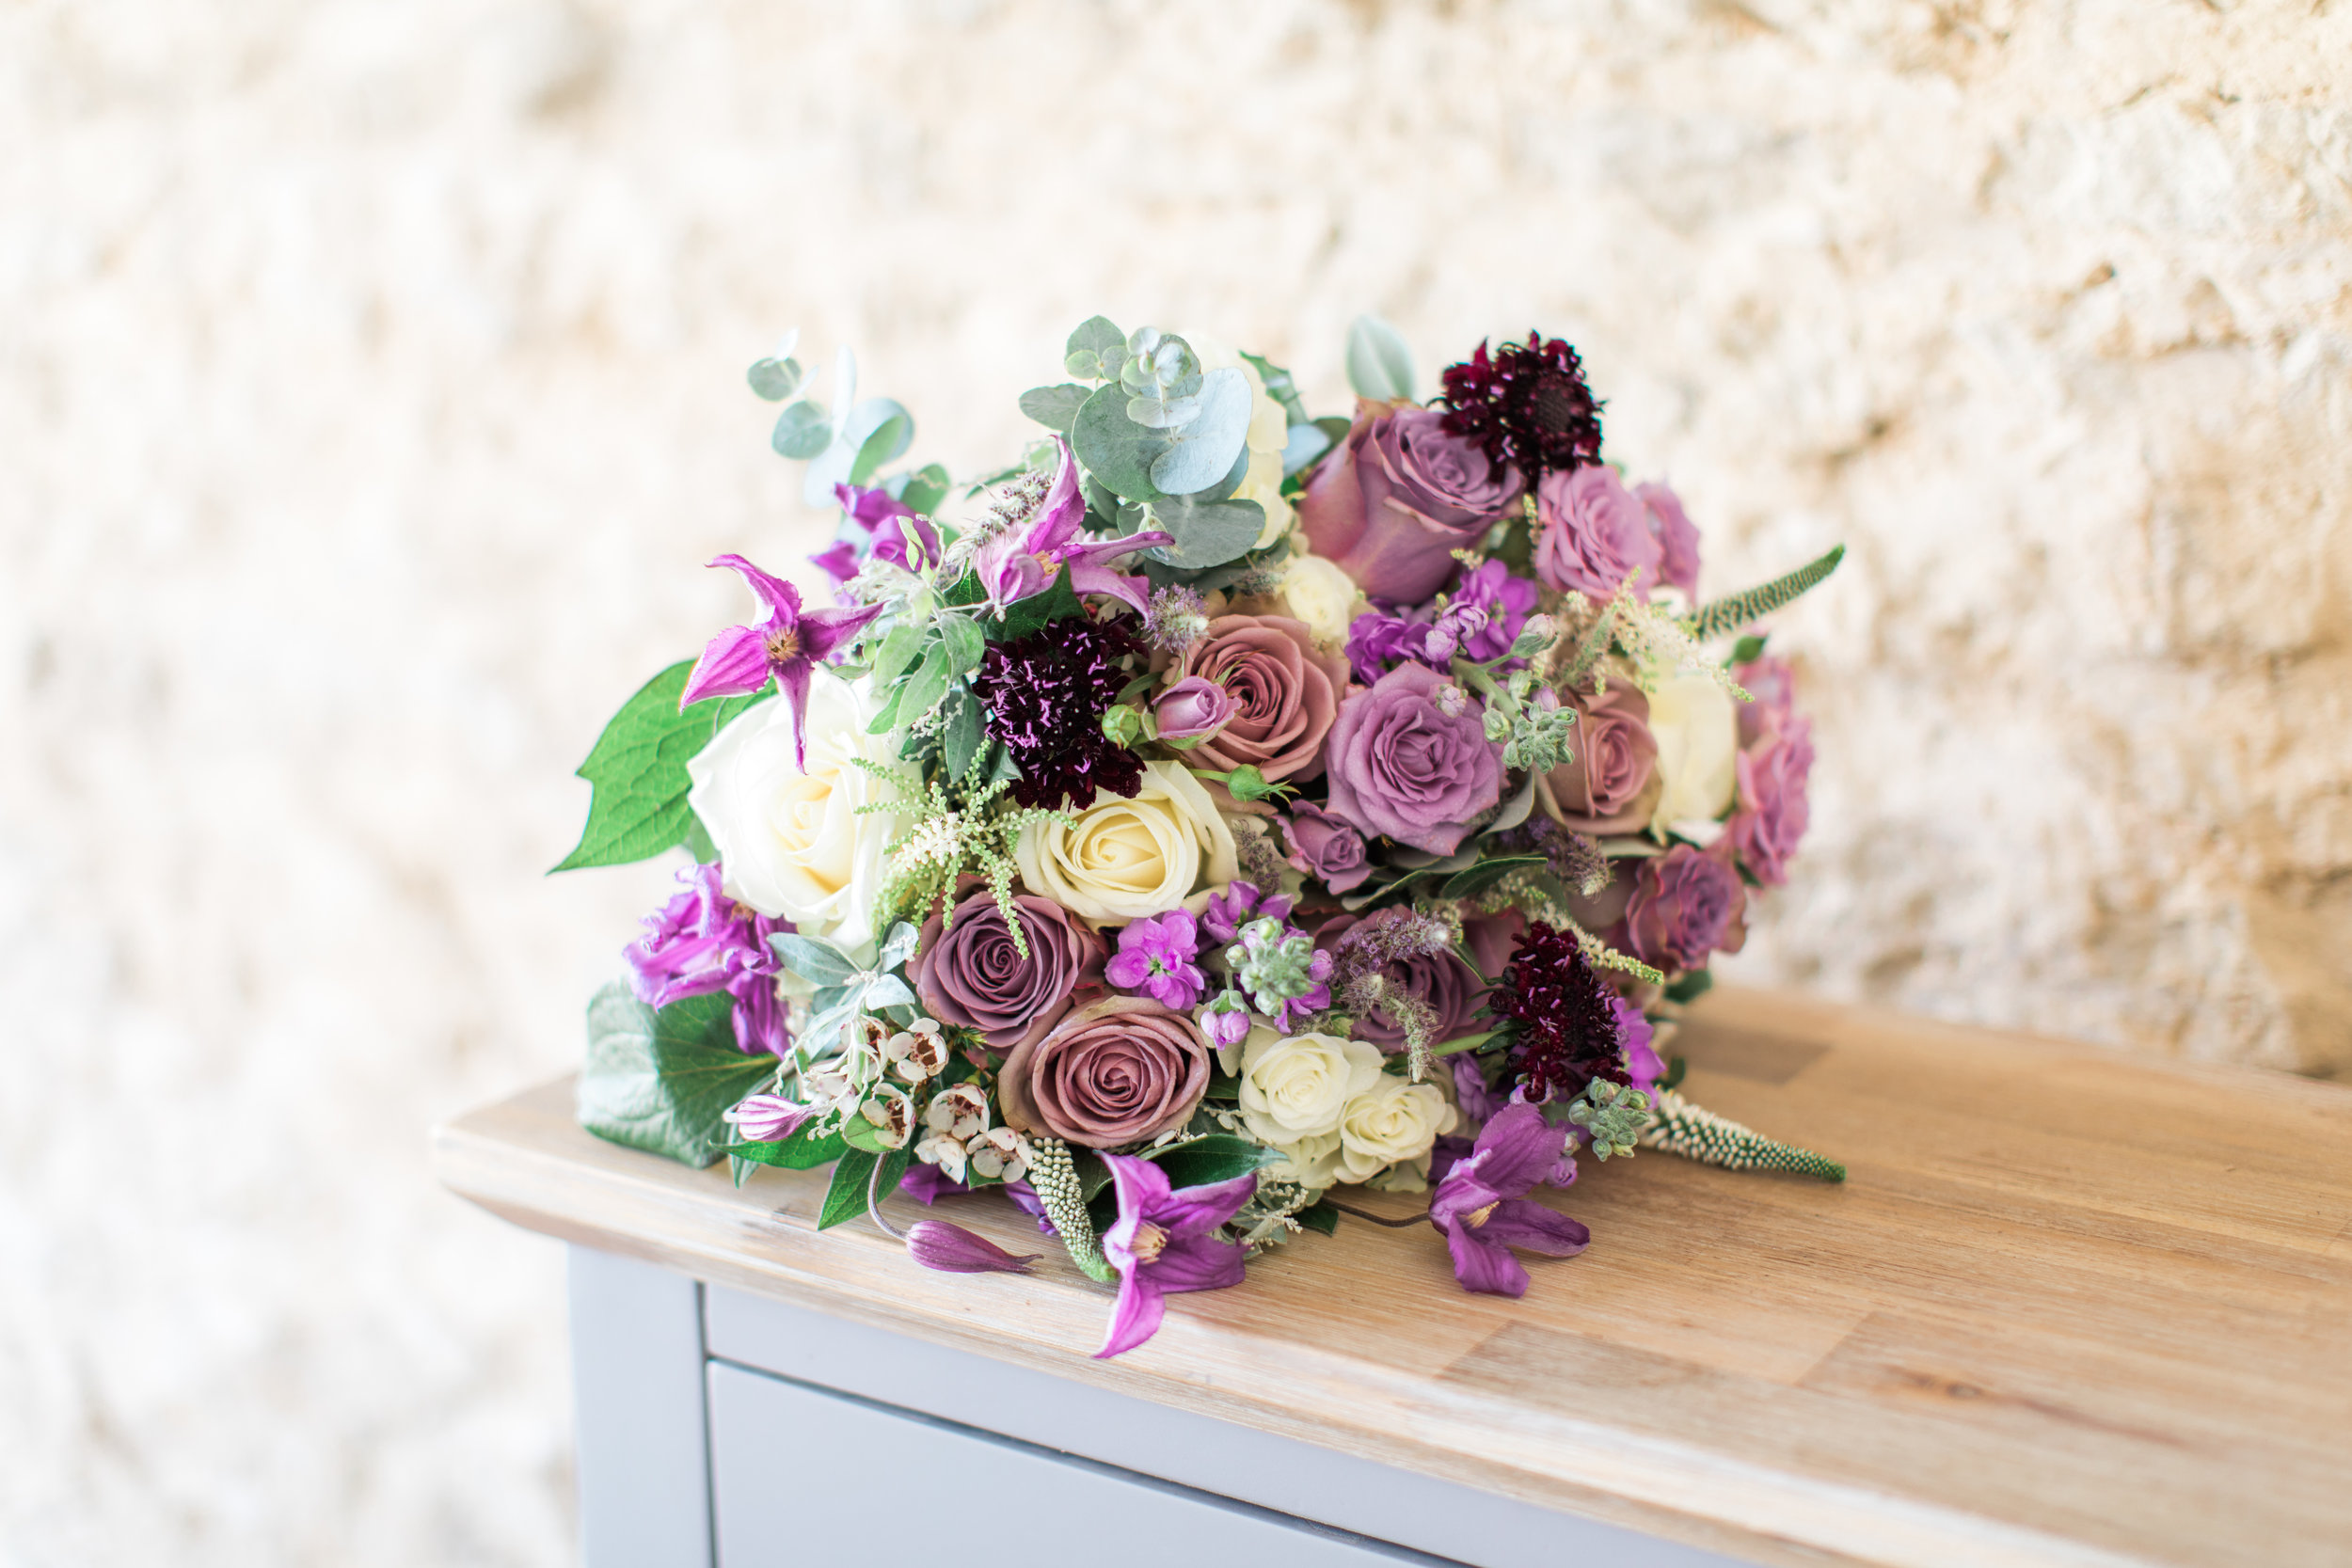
(1697,725)
(793,841)
(1323,597)
(1297,1088)
(1269,433)
(1309,1162)
(1392,1122)
(1127,859)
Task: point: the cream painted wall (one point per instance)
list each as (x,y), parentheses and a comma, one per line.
(370,389)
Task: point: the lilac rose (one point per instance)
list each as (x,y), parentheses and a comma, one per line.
(1773,812)
(1773,685)
(1604,786)
(1686,904)
(1392,506)
(1593,533)
(1401,765)
(1677,538)
(970,973)
(1114,1073)
(1194,708)
(1454,992)
(1324,848)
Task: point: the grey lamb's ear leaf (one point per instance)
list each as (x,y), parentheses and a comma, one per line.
(1200,453)
(1378,365)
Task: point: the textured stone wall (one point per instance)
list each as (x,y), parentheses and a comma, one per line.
(371,390)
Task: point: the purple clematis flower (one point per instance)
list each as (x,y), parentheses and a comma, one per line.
(786,643)
(1482,1205)
(893,523)
(1024,561)
(701,940)
(841,563)
(1155,956)
(1164,1242)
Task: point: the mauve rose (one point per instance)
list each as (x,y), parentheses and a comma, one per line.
(1774,811)
(1604,785)
(1285,694)
(1193,707)
(1686,904)
(1452,990)
(1594,533)
(1400,766)
(1113,1073)
(1325,848)
(1677,538)
(971,974)
(1773,685)
(1398,498)
(1490,939)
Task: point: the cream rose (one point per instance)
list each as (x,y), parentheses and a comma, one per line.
(1323,596)
(1391,1123)
(1126,859)
(1269,433)
(1298,1088)
(1309,1162)
(1697,725)
(793,841)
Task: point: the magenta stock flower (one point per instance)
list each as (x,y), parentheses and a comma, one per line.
(1023,561)
(1155,956)
(1164,1241)
(786,643)
(1239,903)
(1481,1204)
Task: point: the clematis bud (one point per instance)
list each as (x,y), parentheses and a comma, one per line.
(952,1249)
(766,1118)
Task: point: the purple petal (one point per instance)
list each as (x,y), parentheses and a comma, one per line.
(822,631)
(929,1184)
(1482,1266)
(1460,1193)
(1128,969)
(1100,579)
(782,599)
(952,1249)
(1195,1264)
(1518,1222)
(869,509)
(1063,508)
(841,563)
(1518,1148)
(766,1118)
(1093,552)
(1197,1211)
(793,678)
(1142,1190)
(734,664)
(1134,1319)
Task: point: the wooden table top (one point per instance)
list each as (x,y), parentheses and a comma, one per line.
(2070,1308)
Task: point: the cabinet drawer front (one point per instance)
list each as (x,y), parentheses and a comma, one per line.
(803,1476)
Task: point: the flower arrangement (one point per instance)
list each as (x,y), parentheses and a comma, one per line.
(1217,809)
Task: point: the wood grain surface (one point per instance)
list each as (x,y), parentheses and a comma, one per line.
(2071,1309)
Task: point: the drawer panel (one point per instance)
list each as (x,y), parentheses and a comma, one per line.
(803,1476)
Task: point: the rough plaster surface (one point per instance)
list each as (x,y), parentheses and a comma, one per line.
(370,391)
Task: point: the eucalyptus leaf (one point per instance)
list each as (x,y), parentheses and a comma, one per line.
(1115,449)
(1307,442)
(637,807)
(1486,874)
(660,1080)
(1205,448)
(888,990)
(776,379)
(802,431)
(1379,367)
(1096,350)
(1206,536)
(889,438)
(1055,407)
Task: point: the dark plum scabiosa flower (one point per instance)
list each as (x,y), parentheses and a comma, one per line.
(1569,1028)
(1046,694)
(1527,403)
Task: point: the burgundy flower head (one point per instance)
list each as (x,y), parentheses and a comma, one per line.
(1570,1033)
(1527,403)
(1046,694)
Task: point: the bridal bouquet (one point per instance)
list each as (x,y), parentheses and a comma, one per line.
(1218,808)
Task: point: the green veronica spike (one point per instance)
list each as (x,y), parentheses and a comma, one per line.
(1695,1132)
(1722,617)
(1055,1179)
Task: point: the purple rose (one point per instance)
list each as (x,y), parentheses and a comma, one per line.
(1194,708)
(1399,766)
(1686,904)
(1594,533)
(1453,991)
(1773,812)
(1325,848)
(1398,498)
(1773,685)
(1604,786)
(1113,1073)
(970,973)
(1677,538)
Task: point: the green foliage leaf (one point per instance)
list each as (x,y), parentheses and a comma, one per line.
(637,806)
(817,962)
(1055,407)
(1486,874)
(1219,1157)
(925,488)
(775,379)
(1115,449)
(859,1133)
(959,737)
(1722,617)
(890,438)
(1202,450)
(1280,386)
(923,689)
(1379,367)
(1321,1218)
(1746,650)
(1690,987)
(660,1080)
(1307,442)
(1095,349)
(964,642)
(846,1199)
(1206,536)
(802,431)
(1057,603)
(804,1150)
(897,651)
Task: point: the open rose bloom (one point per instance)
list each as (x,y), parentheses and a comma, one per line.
(1218,812)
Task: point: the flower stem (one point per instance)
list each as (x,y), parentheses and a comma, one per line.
(873,1203)
(1362,1214)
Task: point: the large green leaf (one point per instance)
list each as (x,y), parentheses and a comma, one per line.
(1219,1157)
(660,1080)
(846,1199)
(803,1151)
(637,768)
(1486,874)
(1114,447)
(1057,603)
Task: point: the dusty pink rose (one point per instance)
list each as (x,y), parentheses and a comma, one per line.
(1454,992)
(1677,538)
(1594,533)
(1400,765)
(1194,707)
(971,973)
(1773,685)
(1285,694)
(1398,498)
(1774,811)
(1687,904)
(1491,939)
(1110,1075)
(1604,785)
